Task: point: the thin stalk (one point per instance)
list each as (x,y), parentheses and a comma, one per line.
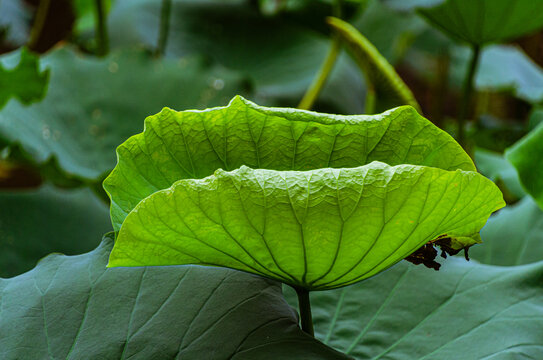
(467,94)
(165,14)
(100,22)
(318,83)
(441,88)
(39,23)
(371,97)
(305,310)
(326,68)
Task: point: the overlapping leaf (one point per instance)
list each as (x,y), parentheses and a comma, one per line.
(71,307)
(318,229)
(465,311)
(477,22)
(193,144)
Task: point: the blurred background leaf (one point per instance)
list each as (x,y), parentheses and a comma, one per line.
(270,52)
(14,22)
(514,236)
(495,167)
(280,54)
(37,222)
(21,78)
(527,157)
(93,105)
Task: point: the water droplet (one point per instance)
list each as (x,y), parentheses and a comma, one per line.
(113,67)
(56,135)
(206,96)
(94,130)
(96,114)
(218,84)
(46,132)
(4,153)
(182,62)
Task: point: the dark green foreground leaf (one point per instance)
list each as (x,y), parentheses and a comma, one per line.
(93,105)
(73,308)
(34,223)
(466,311)
(24,81)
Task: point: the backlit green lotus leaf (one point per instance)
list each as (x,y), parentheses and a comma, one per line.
(193,144)
(317,229)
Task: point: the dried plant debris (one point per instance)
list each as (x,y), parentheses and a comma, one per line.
(427,253)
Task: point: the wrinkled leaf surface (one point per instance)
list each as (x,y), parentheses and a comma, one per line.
(72,307)
(318,229)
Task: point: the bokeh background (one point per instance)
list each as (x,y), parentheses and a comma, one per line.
(76,80)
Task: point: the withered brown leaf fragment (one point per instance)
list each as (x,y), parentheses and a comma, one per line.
(445,244)
(425,255)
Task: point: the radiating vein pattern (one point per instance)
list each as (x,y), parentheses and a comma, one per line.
(193,144)
(436,311)
(318,229)
(73,307)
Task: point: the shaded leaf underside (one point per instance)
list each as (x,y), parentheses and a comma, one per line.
(485,21)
